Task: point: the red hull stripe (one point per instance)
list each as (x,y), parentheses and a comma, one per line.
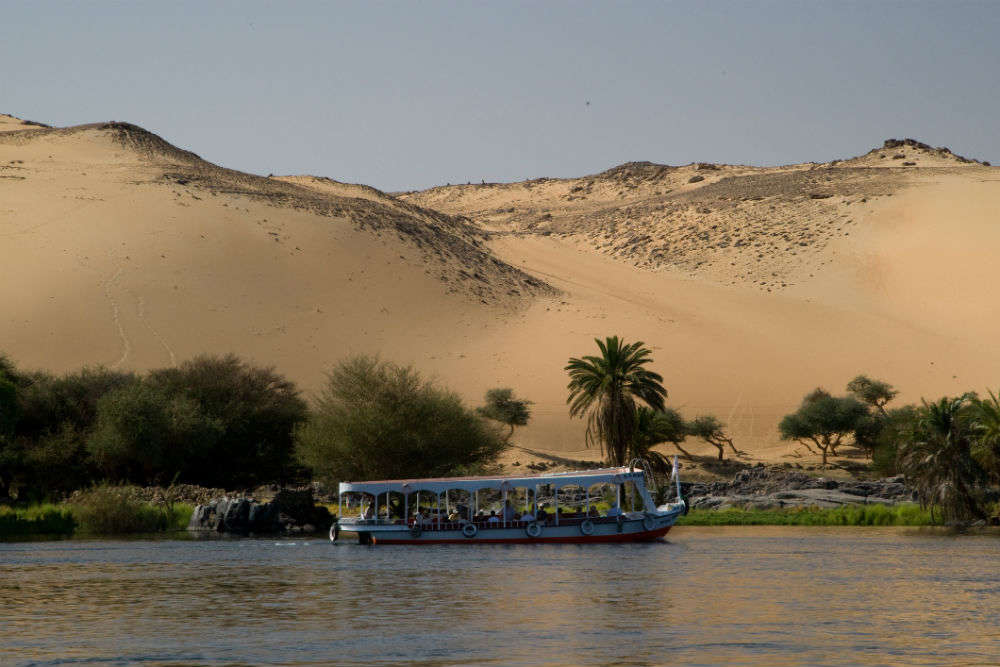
(572,539)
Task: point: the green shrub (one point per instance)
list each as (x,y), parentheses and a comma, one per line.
(379,420)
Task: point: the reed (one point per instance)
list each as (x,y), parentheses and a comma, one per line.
(107,510)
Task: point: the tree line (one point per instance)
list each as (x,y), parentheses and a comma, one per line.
(948,449)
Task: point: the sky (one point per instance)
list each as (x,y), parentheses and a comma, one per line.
(410,95)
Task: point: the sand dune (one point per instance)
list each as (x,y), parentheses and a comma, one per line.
(119,249)
(751,285)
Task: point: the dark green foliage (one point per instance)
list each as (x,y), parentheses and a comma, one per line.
(49,403)
(935,454)
(45,456)
(653,427)
(824,420)
(606,389)
(895,427)
(257,410)
(502,406)
(712,431)
(986,426)
(8,407)
(146,436)
(375,420)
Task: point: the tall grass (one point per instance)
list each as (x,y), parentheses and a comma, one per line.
(856,515)
(106,510)
(47,519)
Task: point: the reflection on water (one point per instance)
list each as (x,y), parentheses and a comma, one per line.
(769,596)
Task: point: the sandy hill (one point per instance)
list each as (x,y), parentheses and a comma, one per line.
(121,249)
(752,285)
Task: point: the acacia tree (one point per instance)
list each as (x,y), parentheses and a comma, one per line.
(653,427)
(502,406)
(605,388)
(824,420)
(712,431)
(875,393)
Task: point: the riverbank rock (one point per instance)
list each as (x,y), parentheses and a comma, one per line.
(769,487)
(290,512)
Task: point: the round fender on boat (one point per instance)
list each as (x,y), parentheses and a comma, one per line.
(648,523)
(416,530)
(587,527)
(534,529)
(470,530)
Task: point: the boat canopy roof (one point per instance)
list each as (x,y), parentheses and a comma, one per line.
(584,478)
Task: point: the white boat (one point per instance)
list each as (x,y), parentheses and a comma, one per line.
(406,522)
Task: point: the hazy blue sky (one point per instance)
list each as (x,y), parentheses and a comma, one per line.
(407,95)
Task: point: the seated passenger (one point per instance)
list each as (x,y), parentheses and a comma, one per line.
(418,518)
(368,513)
(542,515)
(614,511)
(527,516)
(453,516)
(593,513)
(493,517)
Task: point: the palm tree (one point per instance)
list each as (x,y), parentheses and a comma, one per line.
(986,424)
(605,388)
(653,427)
(936,458)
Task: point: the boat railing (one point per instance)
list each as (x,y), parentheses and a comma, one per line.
(483,523)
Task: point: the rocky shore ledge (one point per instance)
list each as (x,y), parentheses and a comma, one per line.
(770,487)
(291,512)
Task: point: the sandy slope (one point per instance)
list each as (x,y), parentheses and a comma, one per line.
(119,249)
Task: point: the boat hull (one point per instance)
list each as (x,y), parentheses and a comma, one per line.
(602,531)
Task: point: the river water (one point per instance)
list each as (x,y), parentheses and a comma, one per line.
(706,596)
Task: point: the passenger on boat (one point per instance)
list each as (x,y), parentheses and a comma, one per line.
(508,512)
(527,516)
(454,516)
(614,511)
(542,515)
(493,517)
(594,513)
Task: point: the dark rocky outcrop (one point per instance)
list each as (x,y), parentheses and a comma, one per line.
(764,487)
(289,512)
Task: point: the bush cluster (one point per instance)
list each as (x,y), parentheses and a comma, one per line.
(222,422)
(211,421)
